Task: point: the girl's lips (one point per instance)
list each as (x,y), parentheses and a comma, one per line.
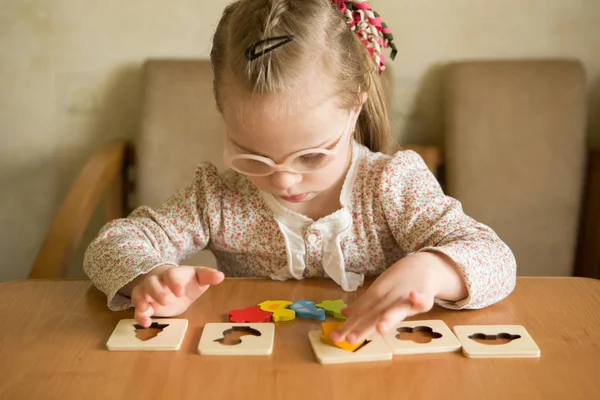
(296,198)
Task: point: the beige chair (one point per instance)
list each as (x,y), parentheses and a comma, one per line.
(514,158)
(515,154)
(180,126)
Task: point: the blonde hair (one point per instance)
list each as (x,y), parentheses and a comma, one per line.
(319,30)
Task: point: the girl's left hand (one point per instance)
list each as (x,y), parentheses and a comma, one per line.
(407,288)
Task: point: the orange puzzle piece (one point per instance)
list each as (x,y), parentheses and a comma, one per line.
(327,328)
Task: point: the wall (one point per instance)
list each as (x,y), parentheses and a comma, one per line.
(429,33)
(69,80)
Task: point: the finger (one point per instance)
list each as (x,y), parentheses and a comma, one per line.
(357,312)
(417,303)
(143,308)
(208,276)
(362,323)
(392,304)
(138,298)
(349,329)
(144,318)
(357,336)
(175,281)
(367,324)
(347,311)
(156,290)
(420,302)
(393,316)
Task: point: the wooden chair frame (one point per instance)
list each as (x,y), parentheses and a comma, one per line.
(587,263)
(102,178)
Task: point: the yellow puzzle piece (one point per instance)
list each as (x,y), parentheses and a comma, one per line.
(279,308)
(327,328)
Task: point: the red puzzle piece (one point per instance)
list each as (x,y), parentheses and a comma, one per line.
(250,314)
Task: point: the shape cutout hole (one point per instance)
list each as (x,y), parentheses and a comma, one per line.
(418,334)
(366,342)
(233,336)
(150,332)
(499,339)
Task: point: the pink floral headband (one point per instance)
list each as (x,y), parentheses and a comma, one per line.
(360,17)
(369,27)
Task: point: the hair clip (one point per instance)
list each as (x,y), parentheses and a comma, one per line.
(252,53)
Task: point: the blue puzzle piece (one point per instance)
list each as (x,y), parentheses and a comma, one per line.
(307,309)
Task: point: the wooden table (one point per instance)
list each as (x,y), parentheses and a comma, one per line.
(53,335)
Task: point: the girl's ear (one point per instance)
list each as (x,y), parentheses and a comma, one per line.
(362,97)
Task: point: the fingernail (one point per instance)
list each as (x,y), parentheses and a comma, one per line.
(351,338)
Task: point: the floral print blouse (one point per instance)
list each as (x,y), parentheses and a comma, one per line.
(391,206)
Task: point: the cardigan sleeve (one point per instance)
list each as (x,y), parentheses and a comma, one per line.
(422,218)
(149,238)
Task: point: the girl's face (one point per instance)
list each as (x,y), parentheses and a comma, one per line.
(275,127)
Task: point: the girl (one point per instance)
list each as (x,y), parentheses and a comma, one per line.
(311,190)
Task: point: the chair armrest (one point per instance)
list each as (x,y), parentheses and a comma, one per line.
(102,174)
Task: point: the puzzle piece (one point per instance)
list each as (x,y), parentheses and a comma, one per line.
(507,341)
(333,308)
(233,339)
(279,309)
(233,336)
(162,334)
(327,328)
(421,337)
(307,309)
(250,314)
(375,349)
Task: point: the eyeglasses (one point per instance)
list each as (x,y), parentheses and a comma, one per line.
(301,162)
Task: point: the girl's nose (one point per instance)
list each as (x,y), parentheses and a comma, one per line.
(285,180)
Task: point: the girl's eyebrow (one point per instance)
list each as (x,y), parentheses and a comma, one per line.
(245,149)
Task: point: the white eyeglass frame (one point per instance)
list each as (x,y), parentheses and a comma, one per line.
(285,166)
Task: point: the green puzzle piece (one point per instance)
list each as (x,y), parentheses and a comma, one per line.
(333,308)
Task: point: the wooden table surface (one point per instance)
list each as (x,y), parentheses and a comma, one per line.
(53,336)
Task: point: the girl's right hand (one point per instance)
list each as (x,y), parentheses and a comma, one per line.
(170,292)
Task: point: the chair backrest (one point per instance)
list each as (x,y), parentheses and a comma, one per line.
(180,127)
(515,154)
